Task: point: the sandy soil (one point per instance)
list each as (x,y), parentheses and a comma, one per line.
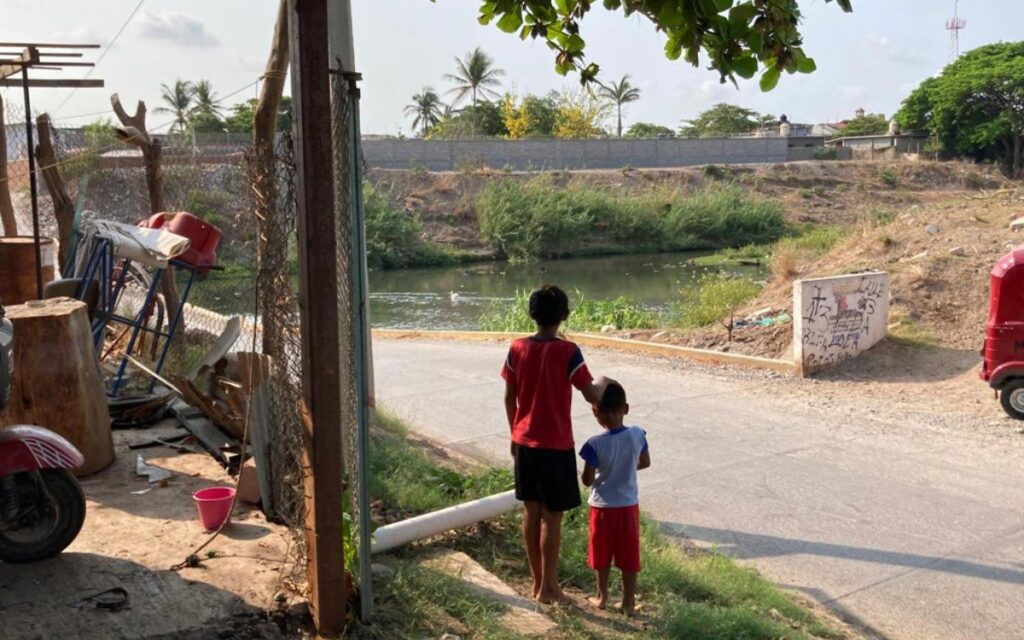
(130,540)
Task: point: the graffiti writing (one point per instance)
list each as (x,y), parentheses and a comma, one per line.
(842,317)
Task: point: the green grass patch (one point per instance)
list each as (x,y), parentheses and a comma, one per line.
(686,594)
(908,331)
(716,298)
(405,477)
(536,219)
(586,315)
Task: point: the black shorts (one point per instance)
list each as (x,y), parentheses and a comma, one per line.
(547,476)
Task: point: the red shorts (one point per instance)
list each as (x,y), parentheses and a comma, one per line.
(614,533)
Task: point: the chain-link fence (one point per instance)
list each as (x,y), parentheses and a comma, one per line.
(249,194)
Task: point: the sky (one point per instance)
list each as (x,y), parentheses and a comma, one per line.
(869,59)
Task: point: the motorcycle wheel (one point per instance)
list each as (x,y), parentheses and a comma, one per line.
(55,527)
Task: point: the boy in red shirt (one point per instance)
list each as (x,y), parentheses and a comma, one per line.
(540,372)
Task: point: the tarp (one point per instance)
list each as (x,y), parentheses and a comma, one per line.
(151,247)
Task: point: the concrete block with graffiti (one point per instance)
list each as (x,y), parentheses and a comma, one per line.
(836,319)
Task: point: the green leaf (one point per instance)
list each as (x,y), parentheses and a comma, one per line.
(574,43)
(673,48)
(724,4)
(770,78)
(510,22)
(756,42)
(806,65)
(741,14)
(745,67)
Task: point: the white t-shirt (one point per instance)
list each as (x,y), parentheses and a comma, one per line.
(615,454)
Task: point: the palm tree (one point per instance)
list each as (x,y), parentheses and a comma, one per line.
(476,74)
(428,109)
(206,100)
(179,102)
(620,93)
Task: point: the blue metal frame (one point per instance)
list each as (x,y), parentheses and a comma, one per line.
(101,267)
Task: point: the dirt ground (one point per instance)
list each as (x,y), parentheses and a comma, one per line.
(131,539)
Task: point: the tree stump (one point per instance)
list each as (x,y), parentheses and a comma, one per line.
(57,383)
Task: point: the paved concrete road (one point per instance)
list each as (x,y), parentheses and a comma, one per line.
(909,532)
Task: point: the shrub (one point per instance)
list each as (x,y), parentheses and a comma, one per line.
(536,219)
(828,153)
(888,177)
(882,217)
(394,236)
(713,172)
(212,206)
(716,299)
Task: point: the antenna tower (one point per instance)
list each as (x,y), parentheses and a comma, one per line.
(954,25)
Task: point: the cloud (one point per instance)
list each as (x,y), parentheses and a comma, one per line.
(176,28)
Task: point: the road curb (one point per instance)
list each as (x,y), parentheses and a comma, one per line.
(591,340)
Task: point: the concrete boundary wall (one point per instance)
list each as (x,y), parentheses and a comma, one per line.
(836,319)
(525,155)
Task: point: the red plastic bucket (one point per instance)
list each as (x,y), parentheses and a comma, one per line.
(214,504)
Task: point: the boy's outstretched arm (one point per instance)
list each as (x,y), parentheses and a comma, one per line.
(645,460)
(588,474)
(593,390)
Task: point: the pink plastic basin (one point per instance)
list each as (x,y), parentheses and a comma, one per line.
(214,504)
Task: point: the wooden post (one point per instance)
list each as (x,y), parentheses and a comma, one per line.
(318,300)
(7,220)
(273,253)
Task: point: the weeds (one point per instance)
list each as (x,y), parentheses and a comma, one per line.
(790,254)
(536,219)
(404,477)
(587,315)
(882,217)
(716,299)
(907,331)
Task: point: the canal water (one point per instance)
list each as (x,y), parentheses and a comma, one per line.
(455,297)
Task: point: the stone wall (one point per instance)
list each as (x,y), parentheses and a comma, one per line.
(524,155)
(836,319)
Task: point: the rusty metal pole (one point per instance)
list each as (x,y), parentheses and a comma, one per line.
(318,301)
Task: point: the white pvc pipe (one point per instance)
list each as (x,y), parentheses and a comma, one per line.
(429,524)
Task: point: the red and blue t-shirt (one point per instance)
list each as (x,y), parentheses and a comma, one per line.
(544,371)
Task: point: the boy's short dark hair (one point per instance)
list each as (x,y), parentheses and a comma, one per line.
(548,305)
(613,399)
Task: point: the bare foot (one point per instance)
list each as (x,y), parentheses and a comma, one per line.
(553,597)
(597,601)
(629,610)
(535,590)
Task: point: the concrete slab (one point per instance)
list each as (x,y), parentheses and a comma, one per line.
(522,616)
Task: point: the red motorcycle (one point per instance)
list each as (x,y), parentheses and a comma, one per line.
(42,506)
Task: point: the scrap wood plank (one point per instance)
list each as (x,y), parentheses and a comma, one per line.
(215,441)
(234,425)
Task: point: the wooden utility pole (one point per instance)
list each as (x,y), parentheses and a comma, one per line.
(318,300)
